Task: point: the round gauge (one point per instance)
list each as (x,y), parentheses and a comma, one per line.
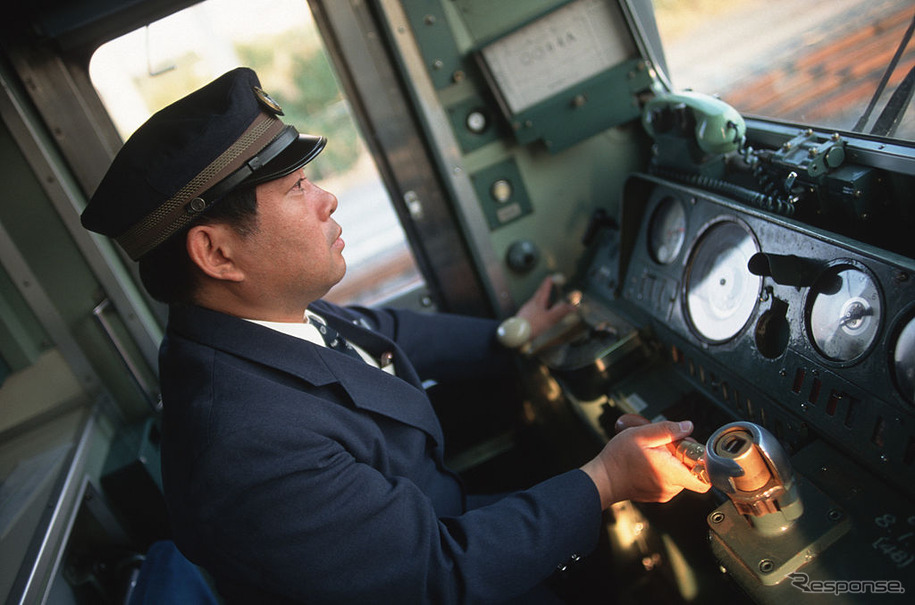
(667,230)
(844,313)
(721,293)
(904,361)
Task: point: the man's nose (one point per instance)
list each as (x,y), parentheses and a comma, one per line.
(328,201)
(332,203)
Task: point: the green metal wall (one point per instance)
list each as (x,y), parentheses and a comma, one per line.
(570,152)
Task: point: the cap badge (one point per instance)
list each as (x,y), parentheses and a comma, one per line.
(267,101)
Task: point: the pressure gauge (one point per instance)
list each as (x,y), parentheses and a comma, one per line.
(844,313)
(721,293)
(904,361)
(667,230)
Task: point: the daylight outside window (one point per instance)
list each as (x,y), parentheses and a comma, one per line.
(145,70)
(815,62)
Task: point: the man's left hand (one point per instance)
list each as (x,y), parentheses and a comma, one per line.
(538,312)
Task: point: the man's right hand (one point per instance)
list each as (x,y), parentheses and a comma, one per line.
(637,465)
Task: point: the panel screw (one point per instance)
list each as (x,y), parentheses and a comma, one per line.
(716,517)
(766,566)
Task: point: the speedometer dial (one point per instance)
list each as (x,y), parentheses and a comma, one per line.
(721,293)
(667,230)
(845,313)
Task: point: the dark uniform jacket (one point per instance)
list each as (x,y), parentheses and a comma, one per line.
(293,472)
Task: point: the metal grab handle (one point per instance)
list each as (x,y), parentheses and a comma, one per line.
(150,394)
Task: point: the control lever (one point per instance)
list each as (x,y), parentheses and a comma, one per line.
(692,454)
(762,534)
(515,332)
(747,463)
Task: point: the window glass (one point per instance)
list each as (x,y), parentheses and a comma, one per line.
(817,62)
(141,72)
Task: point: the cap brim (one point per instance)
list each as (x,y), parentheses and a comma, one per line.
(299,152)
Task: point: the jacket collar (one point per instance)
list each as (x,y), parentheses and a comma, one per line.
(403,397)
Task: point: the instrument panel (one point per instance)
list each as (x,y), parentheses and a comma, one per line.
(781,323)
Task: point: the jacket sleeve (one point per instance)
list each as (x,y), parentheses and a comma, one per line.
(294,512)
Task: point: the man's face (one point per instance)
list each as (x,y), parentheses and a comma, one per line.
(294,256)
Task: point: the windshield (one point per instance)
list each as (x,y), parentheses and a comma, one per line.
(817,62)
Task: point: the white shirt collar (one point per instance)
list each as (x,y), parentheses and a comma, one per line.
(306,330)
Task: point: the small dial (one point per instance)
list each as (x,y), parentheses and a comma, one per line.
(721,293)
(904,361)
(667,230)
(845,313)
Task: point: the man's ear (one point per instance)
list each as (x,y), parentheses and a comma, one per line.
(211,248)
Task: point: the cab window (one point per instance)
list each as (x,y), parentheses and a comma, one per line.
(831,64)
(145,70)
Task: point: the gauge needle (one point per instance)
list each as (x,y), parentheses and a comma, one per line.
(855,314)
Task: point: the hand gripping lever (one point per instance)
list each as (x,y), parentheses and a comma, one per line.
(762,534)
(748,464)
